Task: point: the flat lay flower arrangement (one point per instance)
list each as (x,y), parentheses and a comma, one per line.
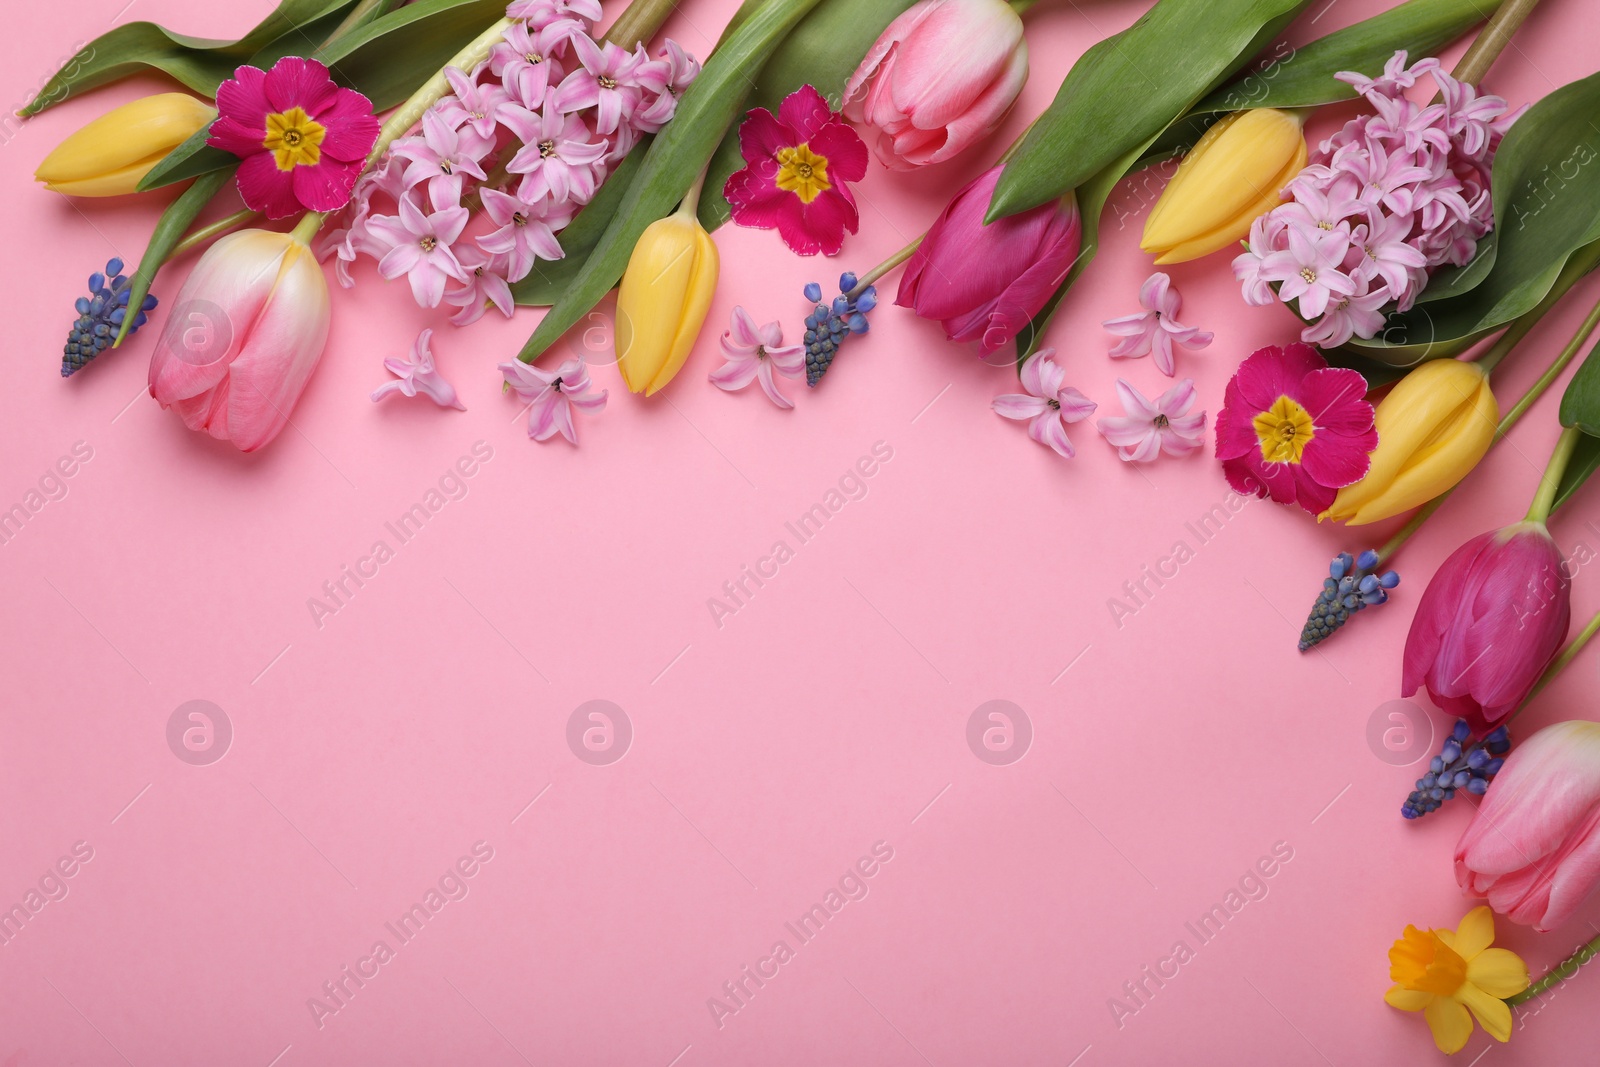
(529,160)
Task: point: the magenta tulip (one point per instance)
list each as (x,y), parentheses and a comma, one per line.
(985,283)
(1487,627)
(939,79)
(1533,848)
(245,333)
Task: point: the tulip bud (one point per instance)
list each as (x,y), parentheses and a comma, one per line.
(1234,173)
(1433,428)
(245,332)
(665,295)
(110,155)
(1489,624)
(1532,846)
(940,78)
(986,282)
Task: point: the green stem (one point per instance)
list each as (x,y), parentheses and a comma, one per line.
(216,229)
(1021,6)
(1511,418)
(639,22)
(1558,974)
(689,210)
(886,266)
(1492,40)
(1550,483)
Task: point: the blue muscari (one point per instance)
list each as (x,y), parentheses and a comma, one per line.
(1458,766)
(1349,587)
(830,325)
(100,316)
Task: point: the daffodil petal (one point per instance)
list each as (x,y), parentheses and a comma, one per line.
(1498,972)
(1450,1023)
(1492,1013)
(1475,932)
(1407,999)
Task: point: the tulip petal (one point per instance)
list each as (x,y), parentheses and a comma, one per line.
(283,348)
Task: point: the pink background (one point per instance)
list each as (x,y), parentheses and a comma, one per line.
(770,753)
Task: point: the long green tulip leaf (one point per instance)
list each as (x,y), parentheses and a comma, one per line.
(1124,91)
(387,58)
(197,63)
(823,51)
(1580,404)
(1585,461)
(677,156)
(193,157)
(169,231)
(1304,77)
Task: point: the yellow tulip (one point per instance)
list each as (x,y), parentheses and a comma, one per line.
(1233,174)
(665,295)
(1433,428)
(109,155)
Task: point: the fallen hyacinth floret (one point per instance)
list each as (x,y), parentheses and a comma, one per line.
(100,316)
(1350,587)
(1458,766)
(1392,196)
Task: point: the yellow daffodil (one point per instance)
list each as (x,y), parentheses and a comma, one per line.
(1233,174)
(108,156)
(1446,973)
(1433,428)
(664,298)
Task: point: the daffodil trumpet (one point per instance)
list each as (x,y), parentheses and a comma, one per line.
(109,155)
(1235,172)
(665,295)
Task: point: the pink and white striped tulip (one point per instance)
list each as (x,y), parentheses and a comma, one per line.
(246,331)
(1489,623)
(1533,848)
(939,79)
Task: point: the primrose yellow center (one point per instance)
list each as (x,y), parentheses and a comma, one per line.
(1422,961)
(1284,430)
(294,138)
(803,172)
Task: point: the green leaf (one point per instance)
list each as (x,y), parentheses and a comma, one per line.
(677,156)
(1123,92)
(387,58)
(544,286)
(1304,77)
(1580,404)
(1585,461)
(198,63)
(823,51)
(169,231)
(193,157)
(1547,212)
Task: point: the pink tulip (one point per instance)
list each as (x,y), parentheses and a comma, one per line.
(1533,848)
(245,333)
(939,79)
(1492,618)
(985,283)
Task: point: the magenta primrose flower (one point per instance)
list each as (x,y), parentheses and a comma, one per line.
(1149,428)
(301,139)
(1294,428)
(1048,405)
(756,353)
(798,166)
(1157,329)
